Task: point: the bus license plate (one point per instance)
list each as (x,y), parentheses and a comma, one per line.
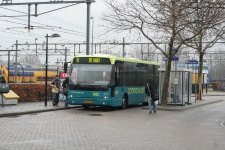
(88,101)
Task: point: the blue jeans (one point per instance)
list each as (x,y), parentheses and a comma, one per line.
(151,104)
(66,101)
(55,98)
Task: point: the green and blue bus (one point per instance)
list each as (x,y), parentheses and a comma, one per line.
(104,80)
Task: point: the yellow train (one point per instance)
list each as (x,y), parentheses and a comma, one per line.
(27,73)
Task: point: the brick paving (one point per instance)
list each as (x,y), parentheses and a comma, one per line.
(112,129)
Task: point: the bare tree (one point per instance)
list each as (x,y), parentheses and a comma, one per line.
(29,59)
(216,63)
(210,24)
(159,21)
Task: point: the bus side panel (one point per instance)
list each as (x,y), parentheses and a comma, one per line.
(103,98)
(135,95)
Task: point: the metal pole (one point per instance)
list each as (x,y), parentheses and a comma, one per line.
(36,45)
(29,17)
(8,64)
(55,47)
(16,61)
(23,72)
(92,36)
(123,47)
(79,48)
(194,77)
(203,83)
(189,98)
(36,10)
(2,100)
(88,27)
(65,54)
(74,49)
(46,71)
(195,66)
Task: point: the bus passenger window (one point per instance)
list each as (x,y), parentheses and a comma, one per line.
(117,75)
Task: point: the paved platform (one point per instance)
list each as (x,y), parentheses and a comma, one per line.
(207,98)
(36,107)
(30,107)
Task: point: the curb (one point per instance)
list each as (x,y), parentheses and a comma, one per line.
(216,101)
(35,111)
(212,95)
(182,108)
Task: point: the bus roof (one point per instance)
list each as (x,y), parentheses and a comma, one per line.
(114,58)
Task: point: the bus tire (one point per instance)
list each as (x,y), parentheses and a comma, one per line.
(86,106)
(145,104)
(124,102)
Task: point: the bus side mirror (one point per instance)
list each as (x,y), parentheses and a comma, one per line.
(65,67)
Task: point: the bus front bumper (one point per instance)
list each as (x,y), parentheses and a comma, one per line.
(91,102)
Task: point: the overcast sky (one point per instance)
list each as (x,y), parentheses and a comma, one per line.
(69,22)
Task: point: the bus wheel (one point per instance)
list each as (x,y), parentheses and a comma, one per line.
(85,106)
(145,104)
(124,102)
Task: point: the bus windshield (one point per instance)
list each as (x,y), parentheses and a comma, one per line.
(90,74)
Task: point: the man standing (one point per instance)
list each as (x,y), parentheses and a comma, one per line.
(55,96)
(65,89)
(151,91)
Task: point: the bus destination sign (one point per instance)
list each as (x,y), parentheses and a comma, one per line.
(91,60)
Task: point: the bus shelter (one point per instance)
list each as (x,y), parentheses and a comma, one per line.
(180,86)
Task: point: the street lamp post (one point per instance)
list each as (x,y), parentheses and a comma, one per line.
(92,35)
(46,64)
(195,66)
(36,45)
(65,54)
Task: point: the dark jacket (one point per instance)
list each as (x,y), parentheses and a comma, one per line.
(65,86)
(151,89)
(65,82)
(56,82)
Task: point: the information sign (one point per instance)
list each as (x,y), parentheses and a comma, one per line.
(191,62)
(175,58)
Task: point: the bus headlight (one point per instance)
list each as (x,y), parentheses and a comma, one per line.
(105,97)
